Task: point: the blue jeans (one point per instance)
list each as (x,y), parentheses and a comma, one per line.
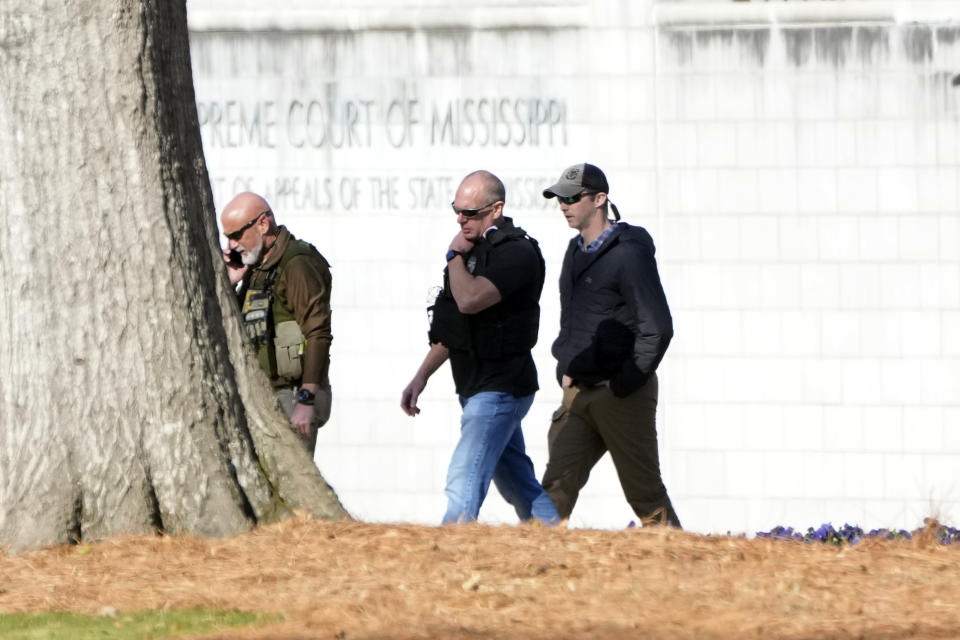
(491,447)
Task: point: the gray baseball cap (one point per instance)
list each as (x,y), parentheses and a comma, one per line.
(578,178)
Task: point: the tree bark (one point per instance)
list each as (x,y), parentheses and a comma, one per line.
(129,400)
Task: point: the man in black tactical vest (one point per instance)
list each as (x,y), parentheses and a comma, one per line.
(284,296)
(485,321)
(615,327)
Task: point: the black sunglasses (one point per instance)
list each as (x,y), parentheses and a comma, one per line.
(469,214)
(574,199)
(236,235)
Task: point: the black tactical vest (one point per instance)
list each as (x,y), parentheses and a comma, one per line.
(497,332)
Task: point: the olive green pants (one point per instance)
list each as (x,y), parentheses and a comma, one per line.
(592,421)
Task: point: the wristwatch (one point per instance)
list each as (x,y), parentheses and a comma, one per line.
(306,397)
(452,254)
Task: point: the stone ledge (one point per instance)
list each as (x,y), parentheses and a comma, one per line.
(293,16)
(727,13)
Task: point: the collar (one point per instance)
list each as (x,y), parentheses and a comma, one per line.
(594,246)
(493,234)
(277,250)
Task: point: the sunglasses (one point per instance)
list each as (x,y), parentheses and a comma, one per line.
(469,214)
(236,235)
(574,199)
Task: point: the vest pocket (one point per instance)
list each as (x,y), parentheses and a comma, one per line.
(288,344)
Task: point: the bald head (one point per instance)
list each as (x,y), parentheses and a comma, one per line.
(243,208)
(485,184)
(248,224)
(478,203)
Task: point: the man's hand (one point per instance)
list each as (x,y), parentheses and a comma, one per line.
(235,269)
(471,293)
(437,355)
(461,244)
(301,418)
(408,401)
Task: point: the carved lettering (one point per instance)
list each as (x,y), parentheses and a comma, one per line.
(333,122)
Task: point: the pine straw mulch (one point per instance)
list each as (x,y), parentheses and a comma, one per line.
(352,580)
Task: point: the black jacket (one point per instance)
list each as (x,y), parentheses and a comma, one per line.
(614,320)
(490,349)
(506,329)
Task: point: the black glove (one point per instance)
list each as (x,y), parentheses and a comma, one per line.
(627,380)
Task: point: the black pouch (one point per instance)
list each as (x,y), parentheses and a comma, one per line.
(257,316)
(447,325)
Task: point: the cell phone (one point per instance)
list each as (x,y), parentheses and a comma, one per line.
(234,259)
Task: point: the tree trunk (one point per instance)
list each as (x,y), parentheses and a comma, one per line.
(129,401)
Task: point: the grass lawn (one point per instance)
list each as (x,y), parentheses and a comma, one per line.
(141,625)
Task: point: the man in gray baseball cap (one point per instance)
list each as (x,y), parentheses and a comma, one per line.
(577,180)
(615,327)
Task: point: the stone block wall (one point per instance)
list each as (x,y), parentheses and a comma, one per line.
(796,164)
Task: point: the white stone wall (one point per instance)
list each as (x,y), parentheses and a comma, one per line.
(810,244)
(796,165)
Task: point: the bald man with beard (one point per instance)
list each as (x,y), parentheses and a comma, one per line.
(284,296)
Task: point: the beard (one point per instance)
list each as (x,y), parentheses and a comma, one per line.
(252,256)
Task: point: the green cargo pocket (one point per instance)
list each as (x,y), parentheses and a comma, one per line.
(556,424)
(288,344)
